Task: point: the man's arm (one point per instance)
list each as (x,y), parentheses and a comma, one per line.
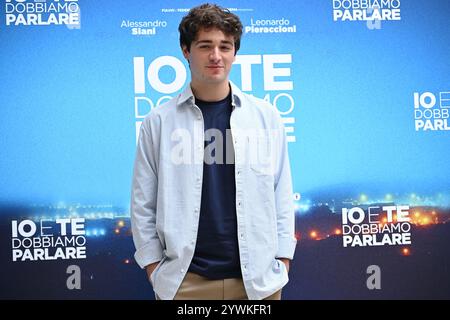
(144,195)
(286,262)
(284,197)
(150,268)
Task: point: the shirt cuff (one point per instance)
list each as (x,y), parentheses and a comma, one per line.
(150,253)
(286,248)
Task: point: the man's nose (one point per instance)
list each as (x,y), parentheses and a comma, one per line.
(214,55)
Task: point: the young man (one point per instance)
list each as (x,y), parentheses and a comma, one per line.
(211,218)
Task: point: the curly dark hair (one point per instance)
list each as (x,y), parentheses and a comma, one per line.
(209,16)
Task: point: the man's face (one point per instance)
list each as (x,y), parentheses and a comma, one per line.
(210,57)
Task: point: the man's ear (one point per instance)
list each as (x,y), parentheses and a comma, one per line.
(185,51)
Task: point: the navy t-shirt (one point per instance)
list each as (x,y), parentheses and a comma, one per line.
(216,254)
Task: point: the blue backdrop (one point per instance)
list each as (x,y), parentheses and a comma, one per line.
(365,104)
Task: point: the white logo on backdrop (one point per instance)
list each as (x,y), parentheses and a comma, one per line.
(150,91)
(431,111)
(42,13)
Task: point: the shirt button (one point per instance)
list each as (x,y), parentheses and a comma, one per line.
(182,270)
(239,204)
(198,179)
(245,266)
(239,172)
(192,241)
(242,235)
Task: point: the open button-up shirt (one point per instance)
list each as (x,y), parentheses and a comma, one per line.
(167,184)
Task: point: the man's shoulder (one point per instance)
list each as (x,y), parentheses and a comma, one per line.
(255,101)
(161,111)
(259,105)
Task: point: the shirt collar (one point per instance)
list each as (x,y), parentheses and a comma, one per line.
(187,97)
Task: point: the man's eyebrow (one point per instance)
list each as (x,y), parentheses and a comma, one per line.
(210,41)
(203,41)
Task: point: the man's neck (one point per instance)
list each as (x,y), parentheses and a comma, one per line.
(211,92)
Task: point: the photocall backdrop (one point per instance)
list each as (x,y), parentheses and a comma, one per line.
(363,87)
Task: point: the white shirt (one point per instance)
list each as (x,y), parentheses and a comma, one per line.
(166,192)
